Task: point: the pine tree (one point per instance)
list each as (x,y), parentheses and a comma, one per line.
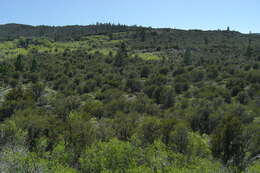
(187,57)
(34,65)
(110,36)
(228,29)
(143,35)
(18,63)
(228,143)
(121,56)
(249,50)
(168,99)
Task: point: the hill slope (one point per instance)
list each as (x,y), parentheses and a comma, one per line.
(128,99)
(12,31)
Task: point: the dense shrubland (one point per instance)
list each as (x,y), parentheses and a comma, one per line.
(129,99)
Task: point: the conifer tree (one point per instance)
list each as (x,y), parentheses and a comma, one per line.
(34,65)
(121,55)
(18,63)
(187,57)
(228,143)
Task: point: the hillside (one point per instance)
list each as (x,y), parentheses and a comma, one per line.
(116,98)
(64,33)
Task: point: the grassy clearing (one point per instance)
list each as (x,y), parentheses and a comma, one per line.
(93,44)
(96,38)
(104,51)
(147,56)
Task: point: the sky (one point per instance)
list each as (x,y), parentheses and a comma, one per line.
(239,15)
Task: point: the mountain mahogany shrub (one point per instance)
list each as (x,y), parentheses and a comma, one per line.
(149,130)
(254,167)
(115,156)
(20,160)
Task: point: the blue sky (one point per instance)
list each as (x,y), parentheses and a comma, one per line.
(239,15)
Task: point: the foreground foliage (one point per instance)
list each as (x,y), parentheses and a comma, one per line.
(129,99)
